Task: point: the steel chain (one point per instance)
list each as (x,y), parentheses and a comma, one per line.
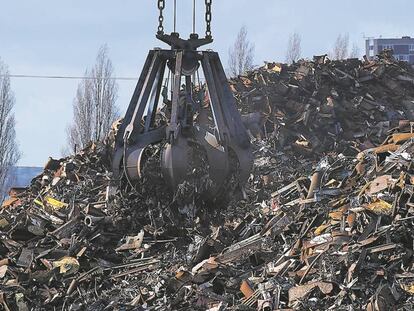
(161,6)
(208,18)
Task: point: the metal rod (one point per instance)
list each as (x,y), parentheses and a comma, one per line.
(154,98)
(167,80)
(176,89)
(198,77)
(175,15)
(194,16)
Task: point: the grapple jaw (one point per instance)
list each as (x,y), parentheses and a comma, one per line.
(212,122)
(174,161)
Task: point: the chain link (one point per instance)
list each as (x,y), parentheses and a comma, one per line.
(208,18)
(161,6)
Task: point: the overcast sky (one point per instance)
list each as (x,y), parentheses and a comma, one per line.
(50,37)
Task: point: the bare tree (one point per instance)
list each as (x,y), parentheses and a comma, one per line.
(294,48)
(9,151)
(241,55)
(94,107)
(340,50)
(355,52)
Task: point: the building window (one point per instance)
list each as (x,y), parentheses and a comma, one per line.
(371,47)
(388,47)
(411,47)
(401,57)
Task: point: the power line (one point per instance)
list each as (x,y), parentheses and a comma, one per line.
(66,77)
(70,77)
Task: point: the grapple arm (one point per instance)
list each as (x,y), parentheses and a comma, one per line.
(139,130)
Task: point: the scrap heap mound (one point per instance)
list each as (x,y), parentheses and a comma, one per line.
(318,106)
(326,221)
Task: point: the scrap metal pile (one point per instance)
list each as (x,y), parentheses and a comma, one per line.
(317,106)
(325,221)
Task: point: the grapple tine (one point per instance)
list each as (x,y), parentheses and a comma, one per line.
(133,163)
(174,161)
(217,157)
(245,159)
(130,157)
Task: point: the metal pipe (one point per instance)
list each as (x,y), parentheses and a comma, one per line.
(91,221)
